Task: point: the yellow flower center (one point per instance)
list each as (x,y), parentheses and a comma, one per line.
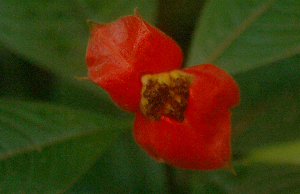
(165,94)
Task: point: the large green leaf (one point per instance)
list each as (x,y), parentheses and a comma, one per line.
(46,148)
(239,35)
(250,179)
(123,168)
(268,113)
(55,33)
(19,79)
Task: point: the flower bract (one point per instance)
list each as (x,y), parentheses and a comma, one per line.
(182,115)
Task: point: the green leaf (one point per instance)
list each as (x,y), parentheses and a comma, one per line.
(46,148)
(241,35)
(123,168)
(55,33)
(288,152)
(252,178)
(268,113)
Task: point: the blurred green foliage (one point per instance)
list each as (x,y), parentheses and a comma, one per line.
(62,135)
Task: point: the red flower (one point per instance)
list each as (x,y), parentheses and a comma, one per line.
(182,116)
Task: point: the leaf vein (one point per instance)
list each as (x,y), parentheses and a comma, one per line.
(239,30)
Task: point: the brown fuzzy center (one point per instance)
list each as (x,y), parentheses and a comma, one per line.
(165,94)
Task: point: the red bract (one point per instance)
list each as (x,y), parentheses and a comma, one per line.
(202,140)
(182,116)
(119,53)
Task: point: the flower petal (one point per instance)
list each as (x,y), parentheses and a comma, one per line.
(119,53)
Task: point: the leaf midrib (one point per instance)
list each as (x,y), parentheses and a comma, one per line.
(262,8)
(39,147)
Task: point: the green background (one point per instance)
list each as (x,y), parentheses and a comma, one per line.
(62,135)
